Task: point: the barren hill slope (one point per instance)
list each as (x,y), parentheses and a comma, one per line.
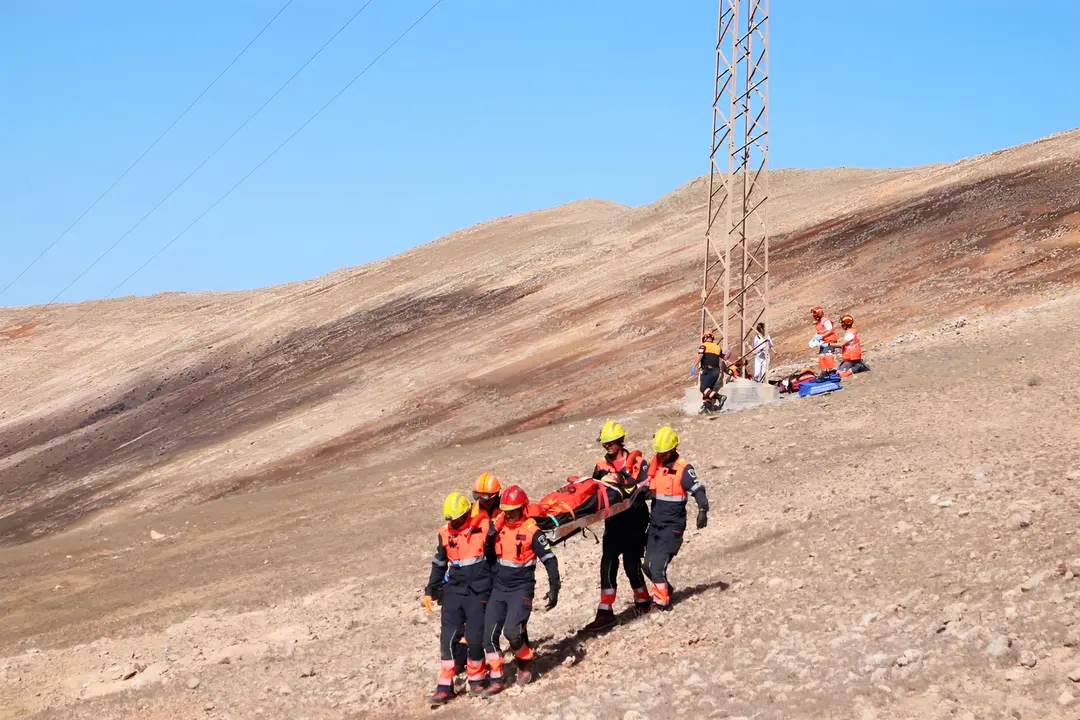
(507,325)
(905,548)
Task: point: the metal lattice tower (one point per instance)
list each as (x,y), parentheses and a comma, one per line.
(735,289)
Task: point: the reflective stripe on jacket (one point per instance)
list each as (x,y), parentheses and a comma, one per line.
(517,548)
(460,561)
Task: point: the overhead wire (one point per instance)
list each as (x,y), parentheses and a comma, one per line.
(207,159)
(251,172)
(160,137)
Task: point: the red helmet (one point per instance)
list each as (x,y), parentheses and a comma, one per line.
(818,312)
(513,498)
(847,321)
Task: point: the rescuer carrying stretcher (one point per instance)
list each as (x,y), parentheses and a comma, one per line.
(671,481)
(517,543)
(463,575)
(486,491)
(624,532)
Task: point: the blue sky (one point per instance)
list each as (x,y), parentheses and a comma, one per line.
(488,107)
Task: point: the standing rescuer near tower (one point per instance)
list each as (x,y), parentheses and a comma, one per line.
(517,544)
(671,481)
(625,532)
(709,358)
(463,573)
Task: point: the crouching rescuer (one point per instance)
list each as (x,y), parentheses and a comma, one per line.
(517,543)
(851,349)
(671,481)
(463,575)
(625,532)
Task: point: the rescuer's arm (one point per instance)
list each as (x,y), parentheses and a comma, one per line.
(693,486)
(546,554)
(438,570)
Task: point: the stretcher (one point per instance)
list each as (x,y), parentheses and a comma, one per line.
(580,503)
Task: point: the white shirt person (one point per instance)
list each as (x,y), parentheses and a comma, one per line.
(761,348)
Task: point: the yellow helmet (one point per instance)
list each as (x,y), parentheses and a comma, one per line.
(665,439)
(455,505)
(611,431)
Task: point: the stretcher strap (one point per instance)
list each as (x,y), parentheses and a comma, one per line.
(603,503)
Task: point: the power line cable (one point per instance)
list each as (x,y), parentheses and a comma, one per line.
(198,167)
(147,150)
(251,172)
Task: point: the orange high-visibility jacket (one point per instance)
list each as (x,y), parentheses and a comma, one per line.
(852,348)
(826,330)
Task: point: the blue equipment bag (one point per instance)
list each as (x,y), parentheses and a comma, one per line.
(807,389)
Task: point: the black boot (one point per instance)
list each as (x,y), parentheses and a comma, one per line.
(524,672)
(604,619)
(496,686)
(441,696)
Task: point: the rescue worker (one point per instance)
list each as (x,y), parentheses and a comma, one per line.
(463,574)
(709,359)
(486,496)
(485,503)
(671,481)
(826,334)
(851,349)
(624,532)
(516,545)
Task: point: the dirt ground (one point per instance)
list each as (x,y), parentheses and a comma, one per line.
(903,548)
(231,512)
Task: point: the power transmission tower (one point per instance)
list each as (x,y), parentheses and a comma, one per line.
(735,289)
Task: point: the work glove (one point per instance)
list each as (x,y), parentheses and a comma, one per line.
(429,603)
(702,518)
(552,597)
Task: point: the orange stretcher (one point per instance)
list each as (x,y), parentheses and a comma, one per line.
(579,503)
